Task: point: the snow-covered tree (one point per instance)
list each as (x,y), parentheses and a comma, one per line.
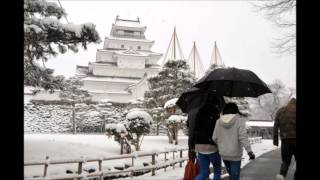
(169,83)
(44,36)
(242,102)
(158,115)
(130,131)
(93,117)
(120,133)
(174,121)
(73,94)
(266,106)
(174,124)
(138,124)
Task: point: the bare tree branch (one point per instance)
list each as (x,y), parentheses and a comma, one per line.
(282,14)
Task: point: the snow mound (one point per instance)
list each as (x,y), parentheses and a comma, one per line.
(117,126)
(176,119)
(138,113)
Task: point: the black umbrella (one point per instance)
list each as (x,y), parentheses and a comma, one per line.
(196,98)
(233,82)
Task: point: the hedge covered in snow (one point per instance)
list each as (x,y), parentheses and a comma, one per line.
(56,118)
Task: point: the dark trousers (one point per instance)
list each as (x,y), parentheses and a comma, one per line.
(204,162)
(288,149)
(233,169)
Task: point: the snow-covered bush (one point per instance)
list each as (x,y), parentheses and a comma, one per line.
(40,118)
(92,118)
(131,131)
(174,123)
(56,118)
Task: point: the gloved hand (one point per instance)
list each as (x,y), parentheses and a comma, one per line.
(251,155)
(192,154)
(276,143)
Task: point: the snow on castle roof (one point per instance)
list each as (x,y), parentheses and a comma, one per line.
(111,79)
(129,39)
(128,23)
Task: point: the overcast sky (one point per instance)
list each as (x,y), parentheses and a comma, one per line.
(243,35)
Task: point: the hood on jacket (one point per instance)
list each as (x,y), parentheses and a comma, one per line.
(291,104)
(227,121)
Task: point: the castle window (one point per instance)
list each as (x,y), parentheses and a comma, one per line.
(139,47)
(122,46)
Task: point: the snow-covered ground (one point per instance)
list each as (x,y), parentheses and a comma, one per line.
(66,146)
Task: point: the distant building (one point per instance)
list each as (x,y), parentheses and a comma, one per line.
(123,65)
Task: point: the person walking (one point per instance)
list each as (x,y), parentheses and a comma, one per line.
(201,122)
(285,121)
(230,134)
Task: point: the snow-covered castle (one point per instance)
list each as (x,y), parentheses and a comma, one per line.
(122,66)
(126,60)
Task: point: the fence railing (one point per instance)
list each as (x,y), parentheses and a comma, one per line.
(101,173)
(155,165)
(254,140)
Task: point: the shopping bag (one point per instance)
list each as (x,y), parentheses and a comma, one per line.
(191,170)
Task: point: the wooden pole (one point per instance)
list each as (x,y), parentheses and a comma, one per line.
(174,43)
(165,159)
(100,169)
(132,161)
(173,159)
(194,57)
(153,163)
(215,53)
(73,118)
(80,168)
(181,157)
(45,167)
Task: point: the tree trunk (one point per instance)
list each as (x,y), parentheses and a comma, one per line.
(169,136)
(176,136)
(137,146)
(121,145)
(73,119)
(157,131)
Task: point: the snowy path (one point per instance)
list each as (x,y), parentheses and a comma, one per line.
(266,167)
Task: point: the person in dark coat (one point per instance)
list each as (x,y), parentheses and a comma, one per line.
(201,123)
(285,121)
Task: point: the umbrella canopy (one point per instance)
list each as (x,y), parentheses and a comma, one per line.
(233,82)
(195,98)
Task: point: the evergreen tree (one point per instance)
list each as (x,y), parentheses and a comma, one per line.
(73,93)
(169,83)
(45,36)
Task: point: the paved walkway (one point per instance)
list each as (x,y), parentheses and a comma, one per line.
(265,167)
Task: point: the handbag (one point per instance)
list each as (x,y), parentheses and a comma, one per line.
(191,170)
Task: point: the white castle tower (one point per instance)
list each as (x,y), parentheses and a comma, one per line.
(122,66)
